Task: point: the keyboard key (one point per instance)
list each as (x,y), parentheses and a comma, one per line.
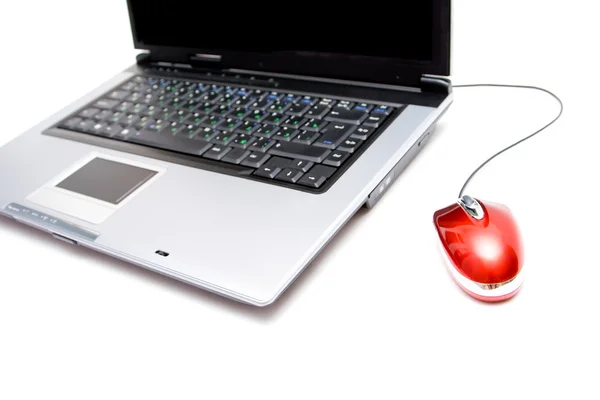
(98,128)
(176,143)
(363,107)
(236,156)
(89,112)
(274,96)
(71,123)
(336,158)
(274,119)
(314,125)
(240,112)
(192,104)
(327,103)
(128,119)
(207,134)
(86,125)
(212,121)
(216,152)
(119,94)
(280,162)
(319,111)
(374,121)
(112,129)
(224,138)
(262,144)
(266,131)
(323,170)
(312,180)
(255,160)
(173,128)
(242,141)
(299,151)
(129,86)
(103,115)
(228,99)
(279,106)
(385,110)
(333,135)
(294,122)
(256,116)
(106,104)
(223,109)
(206,108)
(123,134)
(267,171)
(306,137)
(210,97)
(166,113)
(196,118)
(176,102)
(301,165)
(272,167)
(286,133)
(244,101)
(156,126)
(289,175)
(261,104)
(345,104)
(230,124)
(248,127)
(317,176)
(180,116)
(362,133)
(298,110)
(289,98)
(350,145)
(355,117)
(190,131)
(308,100)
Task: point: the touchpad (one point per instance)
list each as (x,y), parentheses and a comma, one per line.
(96,187)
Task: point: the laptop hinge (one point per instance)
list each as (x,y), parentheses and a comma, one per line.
(436,84)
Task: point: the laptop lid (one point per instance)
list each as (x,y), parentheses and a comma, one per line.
(380,42)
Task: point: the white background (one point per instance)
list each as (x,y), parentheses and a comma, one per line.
(376,315)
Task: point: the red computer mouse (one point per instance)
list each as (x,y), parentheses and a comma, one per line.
(483,247)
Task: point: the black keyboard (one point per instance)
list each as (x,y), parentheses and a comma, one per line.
(299,141)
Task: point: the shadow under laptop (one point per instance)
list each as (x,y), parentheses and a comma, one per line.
(264,314)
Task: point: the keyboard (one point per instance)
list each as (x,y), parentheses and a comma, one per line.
(298,141)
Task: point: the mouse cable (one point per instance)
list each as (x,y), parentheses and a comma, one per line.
(493,85)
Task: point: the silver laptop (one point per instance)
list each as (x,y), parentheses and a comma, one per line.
(239,143)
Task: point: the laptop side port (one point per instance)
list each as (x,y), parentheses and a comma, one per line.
(391,177)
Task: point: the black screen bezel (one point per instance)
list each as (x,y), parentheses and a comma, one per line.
(366,69)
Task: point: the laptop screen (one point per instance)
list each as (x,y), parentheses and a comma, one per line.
(401,31)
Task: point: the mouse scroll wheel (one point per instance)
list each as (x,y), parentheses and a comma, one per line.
(471,206)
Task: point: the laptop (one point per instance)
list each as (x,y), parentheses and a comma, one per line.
(239,142)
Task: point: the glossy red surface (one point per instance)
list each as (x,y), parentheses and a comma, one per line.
(485,251)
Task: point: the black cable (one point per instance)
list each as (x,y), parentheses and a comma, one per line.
(518,142)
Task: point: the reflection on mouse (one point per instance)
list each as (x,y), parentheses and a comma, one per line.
(483,247)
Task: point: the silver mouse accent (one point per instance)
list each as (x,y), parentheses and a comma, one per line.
(471,206)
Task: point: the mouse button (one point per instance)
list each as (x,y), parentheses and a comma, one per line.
(451,217)
(444,214)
